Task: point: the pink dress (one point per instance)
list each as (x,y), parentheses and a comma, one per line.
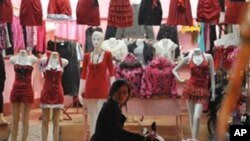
(18,39)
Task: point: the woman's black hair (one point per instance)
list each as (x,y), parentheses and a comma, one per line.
(116,86)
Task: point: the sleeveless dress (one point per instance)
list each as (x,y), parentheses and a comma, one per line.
(59,9)
(52,92)
(7,9)
(22,90)
(196,89)
(31,13)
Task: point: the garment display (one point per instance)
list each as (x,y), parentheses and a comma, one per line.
(2,80)
(150,12)
(232,15)
(135,31)
(10,50)
(52,92)
(117,48)
(22,90)
(94,73)
(6,11)
(158,79)
(88,42)
(71,72)
(208,11)
(31,13)
(196,89)
(3,39)
(144,54)
(41,38)
(59,10)
(87,12)
(131,70)
(222,57)
(180,13)
(110,32)
(18,37)
(120,13)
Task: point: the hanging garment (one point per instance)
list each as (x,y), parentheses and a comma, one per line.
(6,11)
(135,31)
(59,10)
(31,13)
(131,70)
(2,74)
(97,74)
(232,16)
(18,37)
(10,50)
(110,32)
(145,54)
(71,72)
(196,89)
(41,38)
(150,12)
(22,90)
(208,11)
(30,39)
(3,39)
(88,43)
(180,13)
(87,12)
(120,13)
(158,79)
(52,91)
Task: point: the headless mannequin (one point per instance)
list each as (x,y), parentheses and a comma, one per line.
(195,109)
(21,59)
(54,64)
(94,105)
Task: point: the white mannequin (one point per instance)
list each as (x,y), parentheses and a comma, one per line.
(118,48)
(195,109)
(135,1)
(54,64)
(94,105)
(22,58)
(165,48)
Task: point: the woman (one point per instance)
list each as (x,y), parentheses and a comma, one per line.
(109,126)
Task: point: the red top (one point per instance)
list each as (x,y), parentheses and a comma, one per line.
(31,13)
(59,7)
(97,80)
(6,11)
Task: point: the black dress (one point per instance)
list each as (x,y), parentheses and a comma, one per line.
(109,125)
(150,12)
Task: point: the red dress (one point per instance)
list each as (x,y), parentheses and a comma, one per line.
(234,12)
(97,80)
(208,11)
(120,13)
(6,11)
(31,13)
(196,89)
(180,13)
(59,9)
(22,90)
(87,12)
(52,95)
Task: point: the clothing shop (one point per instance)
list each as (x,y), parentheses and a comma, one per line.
(116,70)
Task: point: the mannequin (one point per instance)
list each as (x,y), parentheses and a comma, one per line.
(52,93)
(2,81)
(22,92)
(93,84)
(165,48)
(196,90)
(118,48)
(135,1)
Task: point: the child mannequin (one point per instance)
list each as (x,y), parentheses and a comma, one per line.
(196,89)
(95,66)
(52,93)
(22,92)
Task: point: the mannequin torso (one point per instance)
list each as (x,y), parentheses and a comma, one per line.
(23,59)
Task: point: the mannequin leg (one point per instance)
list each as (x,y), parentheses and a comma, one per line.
(2,120)
(25,121)
(198,108)
(56,120)
(94,106)
(190,107)
(15,120)
(45,123)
